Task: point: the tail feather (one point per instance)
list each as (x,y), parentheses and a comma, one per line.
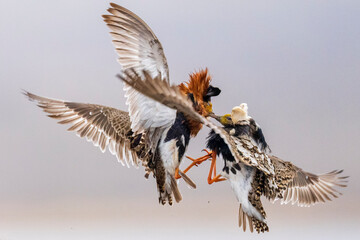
(253,222)
(175,189)
(242,220)
(190,183)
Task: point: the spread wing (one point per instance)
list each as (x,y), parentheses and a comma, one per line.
(135,43)
(139,49)
(104,126)
(306,189)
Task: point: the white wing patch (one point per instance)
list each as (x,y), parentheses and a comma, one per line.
(147,114)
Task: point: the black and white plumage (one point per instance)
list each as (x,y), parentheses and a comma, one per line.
(287,182)
(166,131)
(154,134)
(243,124)
(251,172)
(245,153)
(172,140)
(139,49)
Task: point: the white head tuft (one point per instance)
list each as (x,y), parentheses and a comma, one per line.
(239,113)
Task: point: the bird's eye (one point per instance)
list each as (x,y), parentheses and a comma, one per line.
(228,118)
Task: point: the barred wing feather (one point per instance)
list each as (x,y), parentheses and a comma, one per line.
(135,43)
(304,188)
(139,49)
(104,126)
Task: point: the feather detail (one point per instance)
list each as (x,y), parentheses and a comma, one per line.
(135,42)
(175,189)
(190,183)
(303,188)
(106,127)
(139,49)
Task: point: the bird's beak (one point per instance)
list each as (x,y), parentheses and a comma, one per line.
(216,117)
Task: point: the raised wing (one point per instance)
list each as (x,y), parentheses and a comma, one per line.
(135,43)
(139,49)
(306,189)
(104,126)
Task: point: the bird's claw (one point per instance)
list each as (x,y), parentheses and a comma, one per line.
(205,150)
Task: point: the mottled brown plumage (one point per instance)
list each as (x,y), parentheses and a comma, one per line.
(297,186)
(283,180)
(106,127)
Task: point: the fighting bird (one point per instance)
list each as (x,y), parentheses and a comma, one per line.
(251,172)
(150,133)
(257,174)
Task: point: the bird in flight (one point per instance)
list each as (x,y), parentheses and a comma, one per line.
(251,171)
(149,133)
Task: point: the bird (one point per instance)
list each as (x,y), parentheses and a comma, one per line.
(252,173)
(149,133)
(167,132)
(257,174)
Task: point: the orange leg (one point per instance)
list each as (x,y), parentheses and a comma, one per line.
(197,161)
(194,163)
(216,178)
(210,155)
(177,176)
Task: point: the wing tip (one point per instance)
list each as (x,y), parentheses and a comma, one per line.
(30,96)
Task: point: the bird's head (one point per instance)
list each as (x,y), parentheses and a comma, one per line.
(199,90)
(239,113)
(226,120)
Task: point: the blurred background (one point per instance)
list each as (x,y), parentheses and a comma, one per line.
(296,64)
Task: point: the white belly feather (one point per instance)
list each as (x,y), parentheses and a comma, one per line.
(241,185)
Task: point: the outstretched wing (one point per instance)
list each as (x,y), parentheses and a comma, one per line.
(139,49)
(104,126)
(135,43)
(306,189)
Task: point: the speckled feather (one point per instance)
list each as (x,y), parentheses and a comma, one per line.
(106,127)
(288,182)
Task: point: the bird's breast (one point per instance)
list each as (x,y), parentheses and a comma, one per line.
(217,144)
(174,142)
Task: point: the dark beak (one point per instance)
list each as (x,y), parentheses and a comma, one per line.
(213,91)
(216,117)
